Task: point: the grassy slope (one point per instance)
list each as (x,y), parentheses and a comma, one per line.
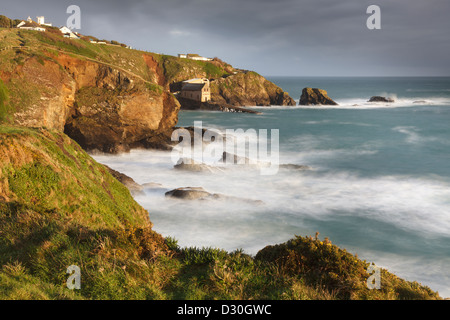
(58,207)
(46,44)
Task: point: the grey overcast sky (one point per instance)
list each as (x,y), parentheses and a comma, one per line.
(287,37)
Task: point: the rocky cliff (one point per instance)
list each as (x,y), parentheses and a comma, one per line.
(114,110)
(100,104)
(248,89)
(229,86)
(109,98)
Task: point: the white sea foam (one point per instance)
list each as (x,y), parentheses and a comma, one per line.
(427,90)
(414,136)
(302,202)
(291,198)
(362,103)
(400,200)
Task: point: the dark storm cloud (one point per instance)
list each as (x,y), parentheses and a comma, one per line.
(288,37)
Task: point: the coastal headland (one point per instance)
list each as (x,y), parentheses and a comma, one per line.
(61,99)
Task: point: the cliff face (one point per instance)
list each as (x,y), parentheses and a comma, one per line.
(101,106)
(229,86)
(42,94)
(248,89)
(110,98)
(113,110)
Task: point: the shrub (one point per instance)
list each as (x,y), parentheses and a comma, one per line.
(4,97)
(5,22)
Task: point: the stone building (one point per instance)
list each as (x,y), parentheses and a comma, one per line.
(196,89)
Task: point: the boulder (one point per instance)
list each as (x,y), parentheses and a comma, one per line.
(198,193)
(188,193)
(231,158)
(194,166)
(380,99)
(315,96)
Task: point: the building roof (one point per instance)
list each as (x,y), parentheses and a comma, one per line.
(196,80)
(193,86)
(31,24)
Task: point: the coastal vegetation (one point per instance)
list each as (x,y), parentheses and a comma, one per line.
(59,207)
(4,97)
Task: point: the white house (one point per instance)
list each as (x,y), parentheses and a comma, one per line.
(41,21)
(193,56)
(201,58)
(68,33)
(30,25)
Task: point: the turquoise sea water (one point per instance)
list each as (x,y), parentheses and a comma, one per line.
(379,184)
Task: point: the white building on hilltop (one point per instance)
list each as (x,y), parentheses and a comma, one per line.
(68,33)
(31,25)
(41,21)
(193,56)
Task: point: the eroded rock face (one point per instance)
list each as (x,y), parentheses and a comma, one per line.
(248,89)
(102,107)
(44,94)
(114,112)
(121,122)
(315,96)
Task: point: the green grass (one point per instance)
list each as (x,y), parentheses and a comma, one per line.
(154,88)
(211,70)
(79,47)
(4,101)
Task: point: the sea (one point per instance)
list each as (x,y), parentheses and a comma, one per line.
(378,184)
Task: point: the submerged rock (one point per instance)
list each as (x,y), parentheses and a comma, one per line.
(188,193)
(315,96)
(150,185)
(231,158)
(291,166)
(380,99)
(194,166)
(198,193)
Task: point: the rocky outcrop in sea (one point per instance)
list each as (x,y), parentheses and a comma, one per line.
(315,96)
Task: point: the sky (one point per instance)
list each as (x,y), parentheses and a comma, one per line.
(273,38)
